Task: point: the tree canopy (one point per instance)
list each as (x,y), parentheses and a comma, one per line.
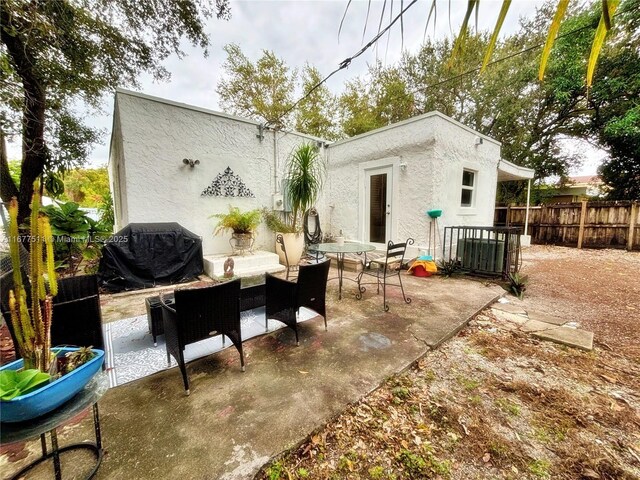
(507,102)
(56,54)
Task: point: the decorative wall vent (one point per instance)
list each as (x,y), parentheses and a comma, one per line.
(227,184)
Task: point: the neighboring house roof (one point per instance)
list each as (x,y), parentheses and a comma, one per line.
(585,180)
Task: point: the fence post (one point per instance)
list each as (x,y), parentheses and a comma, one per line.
(583,214)
(633,218)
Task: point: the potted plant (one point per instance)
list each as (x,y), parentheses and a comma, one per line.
(242,226)
(304,175)
(34,384)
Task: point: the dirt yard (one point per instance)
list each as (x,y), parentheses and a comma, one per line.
(494,402)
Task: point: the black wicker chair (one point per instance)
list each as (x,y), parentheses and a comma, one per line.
(77,318)
(198,314)
(383,268)
(284,298)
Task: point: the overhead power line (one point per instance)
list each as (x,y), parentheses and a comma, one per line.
(346,62)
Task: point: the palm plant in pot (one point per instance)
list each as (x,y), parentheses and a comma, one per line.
(304,176)
(36,384)
(242,225)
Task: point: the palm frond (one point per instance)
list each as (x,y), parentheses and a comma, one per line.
(432,11)
(551,36)
(344,15)
(366,20)
(461,39)
(598,40)
(496,31)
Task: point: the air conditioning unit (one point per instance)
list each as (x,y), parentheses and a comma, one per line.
(481,254)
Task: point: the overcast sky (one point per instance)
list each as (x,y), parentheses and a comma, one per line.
(307,31)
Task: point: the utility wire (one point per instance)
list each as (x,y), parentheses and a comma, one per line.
(345,63)
(501,59)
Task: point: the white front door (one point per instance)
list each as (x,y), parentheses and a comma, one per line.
(378,188)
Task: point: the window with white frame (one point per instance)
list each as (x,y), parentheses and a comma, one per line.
(468,186)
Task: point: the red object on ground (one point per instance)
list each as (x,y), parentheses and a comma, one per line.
(420,271)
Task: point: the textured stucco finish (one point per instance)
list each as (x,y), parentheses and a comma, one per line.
(435,150)
(152,140)
(150,183)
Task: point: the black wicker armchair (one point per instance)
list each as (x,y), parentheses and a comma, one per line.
(284,298)
(383,268)
(77,318)
(198,314)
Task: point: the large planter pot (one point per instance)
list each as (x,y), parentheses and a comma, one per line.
(52,395)
(241,243)
(294,244)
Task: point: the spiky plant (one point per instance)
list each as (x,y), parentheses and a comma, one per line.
(305,171)
(517,284)
(32,329)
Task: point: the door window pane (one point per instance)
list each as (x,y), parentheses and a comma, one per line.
(378,208)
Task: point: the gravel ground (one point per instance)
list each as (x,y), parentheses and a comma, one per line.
(598,289)
(494,402)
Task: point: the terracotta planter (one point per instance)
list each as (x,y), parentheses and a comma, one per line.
(53,394)
(294,244)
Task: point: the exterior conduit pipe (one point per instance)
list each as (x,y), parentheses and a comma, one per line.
(526,219)
(275,161)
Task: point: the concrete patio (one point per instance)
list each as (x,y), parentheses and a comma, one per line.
(233,422)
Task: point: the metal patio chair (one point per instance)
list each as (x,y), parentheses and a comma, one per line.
(383,268)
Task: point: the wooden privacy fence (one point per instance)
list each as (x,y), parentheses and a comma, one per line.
(612,224)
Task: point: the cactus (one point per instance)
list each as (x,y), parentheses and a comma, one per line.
(32,327)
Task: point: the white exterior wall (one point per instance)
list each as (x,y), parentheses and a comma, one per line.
(151,137)
(155,137)
(435,150)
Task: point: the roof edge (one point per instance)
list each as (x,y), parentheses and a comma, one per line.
(418,118)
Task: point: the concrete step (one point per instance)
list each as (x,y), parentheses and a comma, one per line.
(572,337)
(244,265)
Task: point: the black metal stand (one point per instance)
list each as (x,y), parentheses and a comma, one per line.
(95,448)
(49,424)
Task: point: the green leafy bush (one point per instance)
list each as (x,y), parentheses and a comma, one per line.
(14,383)
(275,223)
(237,221)
(77,237)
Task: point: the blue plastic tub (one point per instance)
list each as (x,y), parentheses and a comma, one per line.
(52,395)
(434,213)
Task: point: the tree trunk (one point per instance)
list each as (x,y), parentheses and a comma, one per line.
(8,187)
(34,149)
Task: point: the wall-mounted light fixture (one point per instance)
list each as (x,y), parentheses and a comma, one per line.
(189,161)
(403,166)
(479,141)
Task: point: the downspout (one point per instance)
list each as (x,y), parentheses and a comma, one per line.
(275,161)
(526,217)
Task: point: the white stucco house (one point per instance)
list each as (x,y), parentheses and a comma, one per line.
(379,184)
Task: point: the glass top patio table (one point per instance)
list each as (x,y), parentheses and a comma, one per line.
(347,247)
(340,250)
